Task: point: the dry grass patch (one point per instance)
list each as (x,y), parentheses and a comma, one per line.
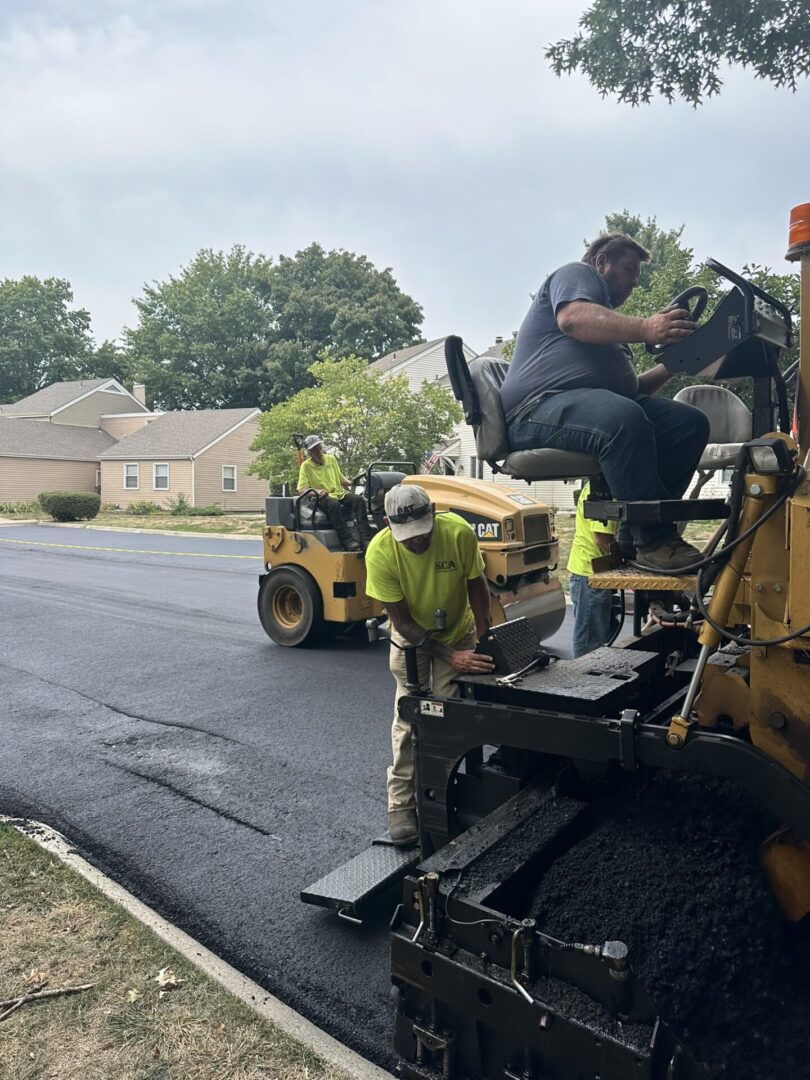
(236,524)
(149,1016)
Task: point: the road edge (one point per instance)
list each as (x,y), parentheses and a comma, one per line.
(249,992)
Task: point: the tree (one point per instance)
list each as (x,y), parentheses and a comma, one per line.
(42,338)
(235,330)
(203,337)
(108,361)
(636,48)
(364,417)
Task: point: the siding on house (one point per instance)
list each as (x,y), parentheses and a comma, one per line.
(22,479)
(114,492)
(121,426)
(425,367)
(88,411)
(234,449)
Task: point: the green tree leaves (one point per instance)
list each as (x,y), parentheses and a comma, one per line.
(43,339)
(633,49)
(364,417)
(234,329)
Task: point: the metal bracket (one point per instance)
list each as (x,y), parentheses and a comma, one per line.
(679,728)
(627,739)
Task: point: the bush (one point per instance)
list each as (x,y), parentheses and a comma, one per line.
(204,511)
(10,508)
(70,505)
(144,506)
(178,505)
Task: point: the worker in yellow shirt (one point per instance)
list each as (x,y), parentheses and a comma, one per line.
(320,472)
(592,607)
(423,562)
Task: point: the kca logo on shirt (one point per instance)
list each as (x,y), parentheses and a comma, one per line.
(445,564)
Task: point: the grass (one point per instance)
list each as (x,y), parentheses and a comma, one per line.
(58,931)
(235,524)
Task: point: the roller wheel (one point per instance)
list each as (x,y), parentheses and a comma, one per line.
(290,608)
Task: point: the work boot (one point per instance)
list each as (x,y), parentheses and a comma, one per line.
(672,554)
(402,827)
(352,545)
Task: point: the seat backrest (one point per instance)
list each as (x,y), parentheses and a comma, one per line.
(477,387)
(730,419)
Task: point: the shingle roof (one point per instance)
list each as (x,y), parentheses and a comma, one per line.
(50,398)
(177,434)
(399,356)
(40,439)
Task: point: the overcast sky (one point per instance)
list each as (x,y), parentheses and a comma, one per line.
(428,135)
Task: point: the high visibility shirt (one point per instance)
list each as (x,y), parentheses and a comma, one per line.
(326,477)
(584,548)
(436,579)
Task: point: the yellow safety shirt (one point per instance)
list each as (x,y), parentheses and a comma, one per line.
(584,548)
(326,477)
(436,579)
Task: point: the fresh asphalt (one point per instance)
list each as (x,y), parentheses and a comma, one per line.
(146,716)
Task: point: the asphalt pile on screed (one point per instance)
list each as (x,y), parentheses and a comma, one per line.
(671,868)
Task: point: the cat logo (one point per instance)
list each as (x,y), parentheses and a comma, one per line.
(487,530)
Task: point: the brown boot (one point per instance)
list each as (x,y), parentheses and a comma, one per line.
(672,554)
(402,827)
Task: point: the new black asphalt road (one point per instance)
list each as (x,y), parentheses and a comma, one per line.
(146,716)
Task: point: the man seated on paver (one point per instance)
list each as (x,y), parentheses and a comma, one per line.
(571,385)
(421,563)
(320,471)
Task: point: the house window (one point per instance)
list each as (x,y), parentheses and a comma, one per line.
(229,478)
(131,478)
(160,478)
(98,479)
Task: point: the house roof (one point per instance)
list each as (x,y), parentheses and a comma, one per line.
(399,356)
(39,439)
(495,351)
(179,434)
(57,396)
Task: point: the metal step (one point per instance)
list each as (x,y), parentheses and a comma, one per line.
(365,883)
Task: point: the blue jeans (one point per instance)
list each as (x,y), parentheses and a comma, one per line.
(592,622)
(647,449)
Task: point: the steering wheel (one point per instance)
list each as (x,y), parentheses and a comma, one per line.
(701,297)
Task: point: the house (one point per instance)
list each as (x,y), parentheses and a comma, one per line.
(94,435)
(52,439)
(425,362)
(202,454)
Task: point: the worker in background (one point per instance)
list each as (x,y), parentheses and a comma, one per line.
(423,562)
(592,607)
(571,385)
(321,472)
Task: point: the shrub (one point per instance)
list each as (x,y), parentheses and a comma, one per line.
(144,506)
(178,505)
(10,508)
(204,511)
(70,505)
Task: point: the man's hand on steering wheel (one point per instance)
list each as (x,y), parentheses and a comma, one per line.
(667,326)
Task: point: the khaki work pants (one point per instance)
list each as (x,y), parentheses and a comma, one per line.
(439,676)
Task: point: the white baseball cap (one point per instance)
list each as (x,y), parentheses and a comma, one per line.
(311,441)
(409,511)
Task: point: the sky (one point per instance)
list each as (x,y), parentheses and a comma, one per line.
(428,135)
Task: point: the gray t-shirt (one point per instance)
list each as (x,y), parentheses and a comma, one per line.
(546,360)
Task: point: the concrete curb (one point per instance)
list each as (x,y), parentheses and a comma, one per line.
(257,539)
(267,1006)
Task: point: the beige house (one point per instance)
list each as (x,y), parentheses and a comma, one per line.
(425,363)
(203,455)
(94,435)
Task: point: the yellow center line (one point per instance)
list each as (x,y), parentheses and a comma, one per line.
(129,551)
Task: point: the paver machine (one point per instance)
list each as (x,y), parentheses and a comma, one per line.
(506,774)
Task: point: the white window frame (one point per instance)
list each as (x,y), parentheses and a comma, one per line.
(98,479)
(155,466)
(137,466)
(235,483)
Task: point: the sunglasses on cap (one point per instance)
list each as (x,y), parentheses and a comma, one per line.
(410,513)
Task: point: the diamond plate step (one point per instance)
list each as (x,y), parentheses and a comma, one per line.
(363,884)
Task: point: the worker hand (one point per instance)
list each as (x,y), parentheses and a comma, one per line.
(472,663)
(666,327)
(321,491)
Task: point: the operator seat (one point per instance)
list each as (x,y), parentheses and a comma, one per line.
(477,387)
(730,425)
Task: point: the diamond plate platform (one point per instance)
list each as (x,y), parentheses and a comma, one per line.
(626,577)
(362,884)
